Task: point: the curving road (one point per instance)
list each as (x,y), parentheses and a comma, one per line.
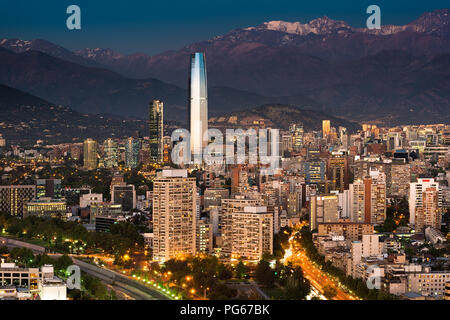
(315,275)
(127,287)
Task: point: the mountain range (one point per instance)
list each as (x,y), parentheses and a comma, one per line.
(26,118)
(98,90)
(278,116)
(395,75)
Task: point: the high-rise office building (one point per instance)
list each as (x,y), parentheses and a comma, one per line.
(198,103)
(174,215)
(2,141)
(156,130)
(125,195)
(90,151)
(286,143)
(337,173)
(314,170)
(167,149)
(48,188)
(297,132)
(344,137)
(132,153)
(13,198)
(144,152)
(324,209)
(399,179)
(326,128)
(118,180)
(110,153)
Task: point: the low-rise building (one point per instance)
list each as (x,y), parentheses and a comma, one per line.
(23,283)
(45,208)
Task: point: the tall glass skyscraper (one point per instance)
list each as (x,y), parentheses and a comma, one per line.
(90,151)
(297,133)
(198,103)
(132,153)
(110,153)
(156,128)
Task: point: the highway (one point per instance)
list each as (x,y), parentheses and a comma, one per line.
(123,285)
(12,243)
(318,278)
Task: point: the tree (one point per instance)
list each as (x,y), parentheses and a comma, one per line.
(155,266)
(241,270)
(63,263)
(280,241)
(42,259)
(329,292)
(264,274)
(4,250)
(95,287)
(23,256)
(297,286)
(224,272)
(222,292)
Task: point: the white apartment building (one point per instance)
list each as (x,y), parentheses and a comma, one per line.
(416,192)
(252,233)
(204,237)
(174,215)
(369,246)
(428,283)
(229,206)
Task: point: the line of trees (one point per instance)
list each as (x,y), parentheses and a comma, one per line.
(122,238)
(205,274)
(358,286)
(285,282)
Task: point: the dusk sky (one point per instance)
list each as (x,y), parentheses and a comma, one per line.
(155,26)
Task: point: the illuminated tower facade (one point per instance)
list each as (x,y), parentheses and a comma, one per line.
(132,153)
(198,103)
(174,215)
(110,153)
(156,128)
(90,150)
(326,128)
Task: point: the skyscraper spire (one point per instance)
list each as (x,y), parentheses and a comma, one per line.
(198,103)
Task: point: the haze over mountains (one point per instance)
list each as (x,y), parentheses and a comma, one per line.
(399,74)
(279,116)
(26,118)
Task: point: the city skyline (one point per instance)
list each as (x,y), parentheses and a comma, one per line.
(281,151)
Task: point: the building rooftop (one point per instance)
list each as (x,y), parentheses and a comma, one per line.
(412,295)
(173,173)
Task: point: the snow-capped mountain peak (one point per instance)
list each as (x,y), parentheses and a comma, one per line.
(99,53)
(323,25)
